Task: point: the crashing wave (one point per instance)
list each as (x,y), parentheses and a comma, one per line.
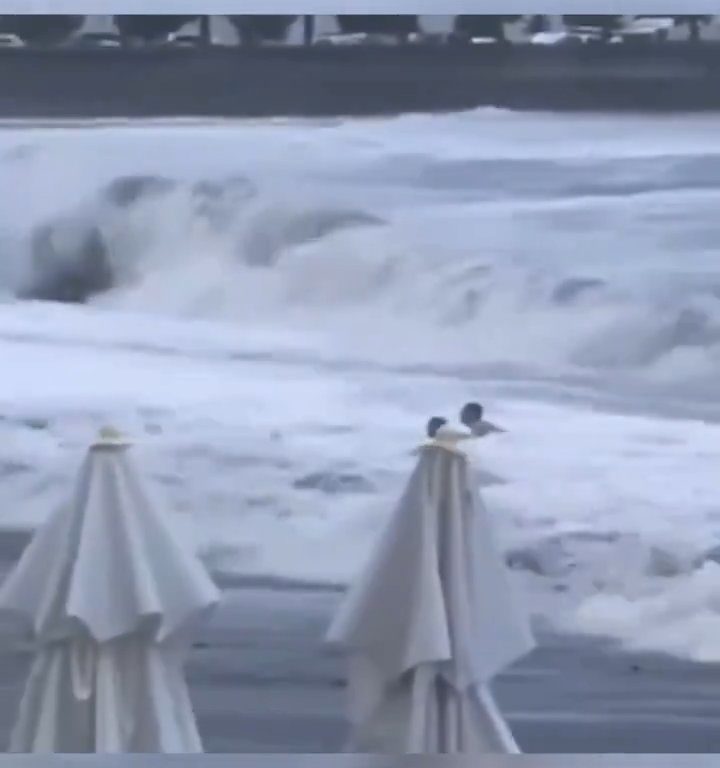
(129,190)
(89,252)
(69,263)
(274,231)
(229,246)
(628,345)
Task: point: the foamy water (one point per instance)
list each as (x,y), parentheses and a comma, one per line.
(290,301)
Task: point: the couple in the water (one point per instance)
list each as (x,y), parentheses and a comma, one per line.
(471,419)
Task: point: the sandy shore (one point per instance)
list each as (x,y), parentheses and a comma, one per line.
(262,682)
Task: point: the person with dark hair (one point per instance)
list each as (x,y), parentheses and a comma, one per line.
(434,424)
(439,432)
(471,415)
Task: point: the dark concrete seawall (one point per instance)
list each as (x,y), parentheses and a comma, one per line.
(325,81)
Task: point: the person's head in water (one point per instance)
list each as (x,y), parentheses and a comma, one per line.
(471,413)
(434,425)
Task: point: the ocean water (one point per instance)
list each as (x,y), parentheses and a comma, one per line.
(273,309)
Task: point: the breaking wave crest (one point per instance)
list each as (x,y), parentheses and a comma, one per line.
(514,260)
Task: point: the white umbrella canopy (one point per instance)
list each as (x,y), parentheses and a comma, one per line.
(431,621)
(111,598)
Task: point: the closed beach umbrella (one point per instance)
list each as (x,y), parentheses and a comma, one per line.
(111,598)
(431,621)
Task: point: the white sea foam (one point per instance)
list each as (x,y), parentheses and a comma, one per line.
(296,297)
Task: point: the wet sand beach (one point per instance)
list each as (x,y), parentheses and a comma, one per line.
(262,682)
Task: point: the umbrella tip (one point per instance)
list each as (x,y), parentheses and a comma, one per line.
(110,436)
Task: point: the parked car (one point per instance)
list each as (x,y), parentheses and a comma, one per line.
(10,41)
(99,40)
(554,37)
(655,28)
(356,38)
(183,41)
(574,36)
(429,38)
(483,40)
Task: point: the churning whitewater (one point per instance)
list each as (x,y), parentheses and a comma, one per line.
(274,308)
